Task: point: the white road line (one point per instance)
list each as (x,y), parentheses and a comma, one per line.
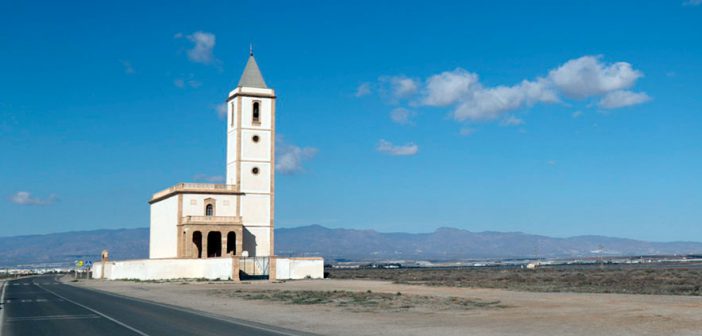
(53,317)
(97,312)
(2,303)
(227,319)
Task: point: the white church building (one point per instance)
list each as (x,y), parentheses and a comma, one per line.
(218,231)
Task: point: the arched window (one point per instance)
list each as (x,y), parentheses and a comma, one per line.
(256,113)
(197,243)
(232,108)
(231,243)
(209,210)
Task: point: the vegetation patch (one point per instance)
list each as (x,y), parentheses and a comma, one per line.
(362,301)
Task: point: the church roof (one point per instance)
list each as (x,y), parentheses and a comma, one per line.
(252,75)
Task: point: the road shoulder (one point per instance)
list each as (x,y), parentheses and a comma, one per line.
(184,308)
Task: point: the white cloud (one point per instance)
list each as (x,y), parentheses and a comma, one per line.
(128,68)
(183,83)
(402,116)
(290,158)
(387,147)
(623,98)
(204,43)
(221,110)
(448,87)
(587,76)
(491,103)
(26,198)
(209,178)
(512,121)
(399,86)
(363,90)
(576,114)
(581,78)
(692,3)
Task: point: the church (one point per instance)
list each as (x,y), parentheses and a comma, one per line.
(197,220)
(222,231)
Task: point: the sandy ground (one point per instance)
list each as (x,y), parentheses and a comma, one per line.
(526,313)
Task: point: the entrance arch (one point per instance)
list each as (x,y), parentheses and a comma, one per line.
(197,243)
(231,243)
(214,244)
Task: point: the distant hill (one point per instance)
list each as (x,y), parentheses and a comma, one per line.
(457,244)
(66,247)
(315,240)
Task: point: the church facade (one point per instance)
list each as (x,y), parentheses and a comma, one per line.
(222,231)
(201,220)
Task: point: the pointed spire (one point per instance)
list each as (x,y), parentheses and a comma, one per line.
(252,75)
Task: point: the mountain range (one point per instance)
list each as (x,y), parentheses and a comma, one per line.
(443,244)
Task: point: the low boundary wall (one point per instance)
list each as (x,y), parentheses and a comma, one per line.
(299,268)
(211,269)
(164,269)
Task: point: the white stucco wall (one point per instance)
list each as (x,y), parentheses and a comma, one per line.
(212,269)
(299,268)
(256,151)
(163,231)
(261,247)
(256,209)
(231,157)
(194,204)
(163,269)
(256,183)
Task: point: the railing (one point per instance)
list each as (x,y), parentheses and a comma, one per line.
(212,220)
(195,187)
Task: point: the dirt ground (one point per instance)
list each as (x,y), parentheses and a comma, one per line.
(370,307)
(608,279)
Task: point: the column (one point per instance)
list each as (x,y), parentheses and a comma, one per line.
(223,248)
(205,235)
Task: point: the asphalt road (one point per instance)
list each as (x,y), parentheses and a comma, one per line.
(44,306)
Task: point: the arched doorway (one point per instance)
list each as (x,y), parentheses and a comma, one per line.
(214,244)
(231,243)
(197,242)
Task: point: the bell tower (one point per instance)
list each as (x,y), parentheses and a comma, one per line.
(251,157)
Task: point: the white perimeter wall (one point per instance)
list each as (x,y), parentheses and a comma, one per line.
(163,230)
(299,268)
(164,269)
(212,269)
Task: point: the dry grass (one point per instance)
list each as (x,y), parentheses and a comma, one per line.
(608,280)
(361,301)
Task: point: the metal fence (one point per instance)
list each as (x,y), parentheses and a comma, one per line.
(251,268)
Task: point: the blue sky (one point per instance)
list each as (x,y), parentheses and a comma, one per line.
(556,118)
